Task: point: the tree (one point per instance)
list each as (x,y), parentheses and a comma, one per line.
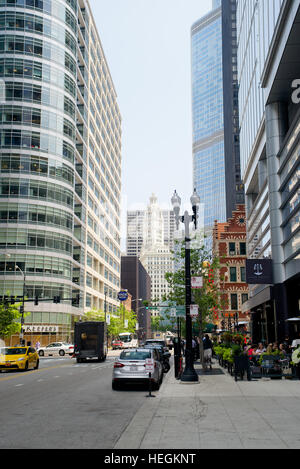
(9,315)
(208,297)
(117,319)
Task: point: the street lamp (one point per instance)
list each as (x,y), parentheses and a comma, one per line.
(23,303)
(189,374)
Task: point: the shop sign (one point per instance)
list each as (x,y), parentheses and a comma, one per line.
(40,328)
(197,282)
(259,271)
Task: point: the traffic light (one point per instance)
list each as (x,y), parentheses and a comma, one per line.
(36,301)
(56,299)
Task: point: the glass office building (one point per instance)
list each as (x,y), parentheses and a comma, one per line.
(60,131)
(268,41)
(208,122)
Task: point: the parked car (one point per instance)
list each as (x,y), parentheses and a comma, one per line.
(130,368)
(56,348)
(158,342)
(18,358)
(163,356)
(117,344)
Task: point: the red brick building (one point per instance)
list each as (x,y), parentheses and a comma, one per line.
(229,244)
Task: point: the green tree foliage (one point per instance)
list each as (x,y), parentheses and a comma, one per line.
(9,316)
(117,320)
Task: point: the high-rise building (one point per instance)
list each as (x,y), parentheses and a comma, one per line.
(60,131)
(137,281)
(268,66)
(216,166)
(155,255)
(136,220)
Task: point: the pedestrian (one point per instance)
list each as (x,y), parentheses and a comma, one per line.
(207,351)
(260,349)
(194,343)
(37,345)
(269,349)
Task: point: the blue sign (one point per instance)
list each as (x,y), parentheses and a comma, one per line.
(123,295)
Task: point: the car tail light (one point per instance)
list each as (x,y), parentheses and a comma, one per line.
(118,365)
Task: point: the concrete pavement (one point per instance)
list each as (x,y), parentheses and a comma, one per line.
(217,413)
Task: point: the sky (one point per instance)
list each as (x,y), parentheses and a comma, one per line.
(147,44)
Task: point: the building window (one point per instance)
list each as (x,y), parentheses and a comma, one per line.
(231,249)
(233,277)
(243,274)
(243,249)
(244,297)
(234,301)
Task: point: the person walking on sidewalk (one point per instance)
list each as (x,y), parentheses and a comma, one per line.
(207,347)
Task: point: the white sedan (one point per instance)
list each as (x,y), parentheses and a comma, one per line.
(56,348)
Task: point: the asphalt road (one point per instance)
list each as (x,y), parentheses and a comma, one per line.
(65,405)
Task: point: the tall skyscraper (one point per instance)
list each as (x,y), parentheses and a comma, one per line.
(216,170)
(60,131)
(155,255)
(268,64)
(136,229)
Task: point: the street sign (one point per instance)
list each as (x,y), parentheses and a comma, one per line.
(126,323)
(149,365)
(197,282)
(123,295)
(108,319)
(194,310)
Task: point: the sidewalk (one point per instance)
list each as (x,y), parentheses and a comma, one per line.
(217,413)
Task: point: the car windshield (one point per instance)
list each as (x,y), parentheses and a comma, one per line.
(13,351)
(135,355)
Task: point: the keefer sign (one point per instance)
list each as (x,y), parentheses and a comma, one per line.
(40,328)
(259,271)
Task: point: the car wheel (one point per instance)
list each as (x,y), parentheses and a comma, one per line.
(115,386)
(41,353)
(61,353)
(37,364)
(26,366)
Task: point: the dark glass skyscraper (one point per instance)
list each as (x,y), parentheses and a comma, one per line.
(215,113)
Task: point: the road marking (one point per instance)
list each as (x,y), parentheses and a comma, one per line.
(17,385)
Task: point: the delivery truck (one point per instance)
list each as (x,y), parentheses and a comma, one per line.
(90,341)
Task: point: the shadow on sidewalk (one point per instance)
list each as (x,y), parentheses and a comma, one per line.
(213,372)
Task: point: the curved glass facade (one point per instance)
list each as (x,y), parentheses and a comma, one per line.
(60,163)
(38,66)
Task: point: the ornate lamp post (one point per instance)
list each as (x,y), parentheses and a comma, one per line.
(189,373)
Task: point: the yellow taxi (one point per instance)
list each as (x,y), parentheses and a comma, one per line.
(18,358)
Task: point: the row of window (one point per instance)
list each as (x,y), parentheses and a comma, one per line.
(15,115)
(43,49)
(36,141)
(233,274)
(38,25)
(234,300)
(48,266)
(52,7)
(30,69)
(35,214)
(22,188)
(26,239)
(36,288)
(36,165)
